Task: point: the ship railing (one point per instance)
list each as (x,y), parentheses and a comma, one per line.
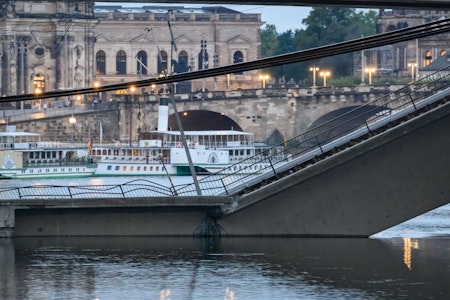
(327,138)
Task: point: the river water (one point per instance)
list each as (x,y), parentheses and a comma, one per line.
(408,261)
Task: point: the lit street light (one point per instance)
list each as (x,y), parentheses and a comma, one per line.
(370,71)
(264,78)
(325,74)
(73,121)
(314,70)
(412,65)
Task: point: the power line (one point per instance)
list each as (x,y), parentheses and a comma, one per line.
(392,37)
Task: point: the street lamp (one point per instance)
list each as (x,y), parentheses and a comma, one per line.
(370,71)
(73,121)
(412,65)
(264,77)
(314,70)
(38,92)
(325,74)
(131,99)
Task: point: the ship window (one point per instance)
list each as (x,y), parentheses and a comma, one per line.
(124,168)
(55,170)
(108,168)
(145,168)
(151,169)
(132,168)
(117,168)
(62,170)
(157,169)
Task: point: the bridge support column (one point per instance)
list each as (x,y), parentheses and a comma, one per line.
(7,222)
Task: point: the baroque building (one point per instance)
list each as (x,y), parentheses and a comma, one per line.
(55,45)
(408,58)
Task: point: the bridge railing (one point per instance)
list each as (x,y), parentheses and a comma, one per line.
(325,138)
(132,189)
(292,154)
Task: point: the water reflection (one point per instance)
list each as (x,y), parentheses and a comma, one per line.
(409,244)
(227,268)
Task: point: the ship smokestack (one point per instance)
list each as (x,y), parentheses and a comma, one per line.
(163,113)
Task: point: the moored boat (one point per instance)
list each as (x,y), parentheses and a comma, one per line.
(164,152)
(24,155)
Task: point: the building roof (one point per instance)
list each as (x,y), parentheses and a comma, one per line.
(164,9)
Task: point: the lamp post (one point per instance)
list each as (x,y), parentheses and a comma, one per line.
(325,74)
(314,70)
(73,121)
(370,71)
(131,99)
(98,95)
(38,92)
(264,78)
(412,65)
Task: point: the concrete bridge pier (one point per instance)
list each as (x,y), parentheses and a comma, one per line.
(7,221)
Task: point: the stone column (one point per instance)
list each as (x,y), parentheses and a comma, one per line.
(7,221)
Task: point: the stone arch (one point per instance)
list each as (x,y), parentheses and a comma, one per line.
(343,120)
(196,120)
(275,138)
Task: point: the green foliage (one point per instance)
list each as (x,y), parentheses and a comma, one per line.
(323,26)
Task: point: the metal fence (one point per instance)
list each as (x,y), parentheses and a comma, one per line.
(327,137)
(293,153)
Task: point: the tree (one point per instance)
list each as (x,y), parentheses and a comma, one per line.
(269,41)
(323,26)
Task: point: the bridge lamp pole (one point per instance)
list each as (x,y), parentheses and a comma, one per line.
(412,65)
(314,70)
(73,121)
(264,78)
(38,92)
(370,71)
(325,74)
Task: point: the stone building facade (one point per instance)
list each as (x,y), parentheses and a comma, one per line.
(55,45)
(407,58)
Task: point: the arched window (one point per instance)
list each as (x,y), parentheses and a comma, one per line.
(428,58)
(238,57)
(121,63)
(162,62)
(100,59)
(38,83)
(141,66)
(182,65)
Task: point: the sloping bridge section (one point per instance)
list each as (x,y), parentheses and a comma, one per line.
(334,180)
